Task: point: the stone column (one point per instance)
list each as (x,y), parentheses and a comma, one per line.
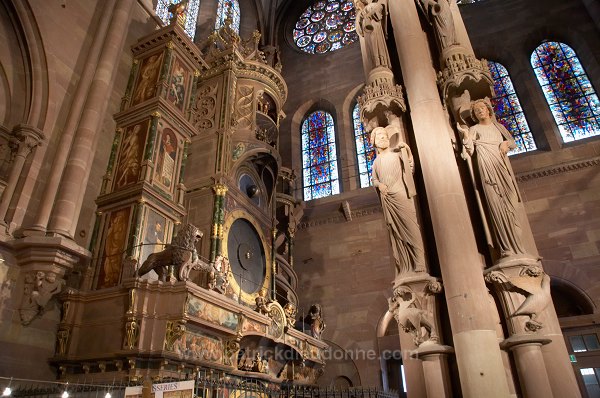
(74,180)
(530,365)
(475,342)
(435,369)
(62,150)
(28,138)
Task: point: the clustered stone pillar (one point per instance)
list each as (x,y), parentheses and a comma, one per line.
(475,342)
(77,170)
(62,151)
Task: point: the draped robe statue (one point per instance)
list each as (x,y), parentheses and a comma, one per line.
(392,176)
(487,143)
(371,18)
(440,17)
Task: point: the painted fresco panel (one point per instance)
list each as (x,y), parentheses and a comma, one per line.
(196,345)
(211,313)
(178,85)
(131,154)
(147,79)
(155,228)
(114,249)
(166,160)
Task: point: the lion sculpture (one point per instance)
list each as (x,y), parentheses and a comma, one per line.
(180,254)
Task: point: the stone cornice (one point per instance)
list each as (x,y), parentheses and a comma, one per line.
(558,169)
(339,217)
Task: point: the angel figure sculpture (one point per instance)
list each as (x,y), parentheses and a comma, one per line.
(488,143)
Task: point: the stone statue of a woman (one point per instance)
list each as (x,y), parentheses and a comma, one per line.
(440,17)
(370,23)
(488,143)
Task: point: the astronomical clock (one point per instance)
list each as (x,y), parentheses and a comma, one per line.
(193,245)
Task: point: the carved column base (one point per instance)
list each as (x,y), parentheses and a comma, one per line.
(531,369)
(435,368)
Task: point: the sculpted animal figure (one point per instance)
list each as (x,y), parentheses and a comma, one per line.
(534,284)
(411,319)
(180,254)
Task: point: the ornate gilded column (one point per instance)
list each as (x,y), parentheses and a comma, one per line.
(216,237)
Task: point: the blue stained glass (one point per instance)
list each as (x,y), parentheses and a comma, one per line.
(317,16)
(332,6)
(191,14)
(302,23)
(319,156)
(568,91)
(365,153)
(508,108)
(325,32)
(231,9)
(335,46)
(319,37)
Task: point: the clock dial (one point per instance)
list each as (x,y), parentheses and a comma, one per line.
(246,256)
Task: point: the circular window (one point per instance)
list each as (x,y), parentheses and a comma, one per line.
(325,26)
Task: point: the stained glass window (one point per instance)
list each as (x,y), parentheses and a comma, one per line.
(569,93)
(325,26)
(365,153)
(508,109)
(319,159)
(191,14)
(231,9)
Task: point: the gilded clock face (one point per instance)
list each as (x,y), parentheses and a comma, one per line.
(246,255)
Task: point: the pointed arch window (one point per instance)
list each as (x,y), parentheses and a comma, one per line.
(365,153)
(162,10)
(231,9)
(569,93)
(508,109)
(319,156)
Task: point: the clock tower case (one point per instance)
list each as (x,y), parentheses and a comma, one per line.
(234,169)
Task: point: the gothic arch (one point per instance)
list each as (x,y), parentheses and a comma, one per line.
(34,64)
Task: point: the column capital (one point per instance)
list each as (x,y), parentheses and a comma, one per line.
(28,137)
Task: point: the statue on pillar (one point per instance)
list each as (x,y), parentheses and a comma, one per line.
(439,15)
(371,17)
(488,143)
(392,176)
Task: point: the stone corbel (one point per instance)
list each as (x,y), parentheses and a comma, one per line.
(413,305)
(39,288)
(524,290)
